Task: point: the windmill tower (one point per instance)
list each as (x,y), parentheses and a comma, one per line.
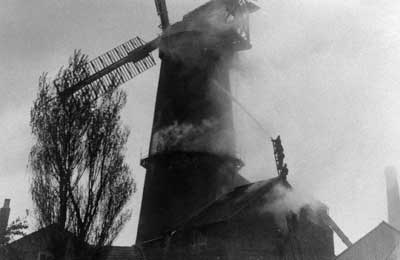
(192,150)
(191,157)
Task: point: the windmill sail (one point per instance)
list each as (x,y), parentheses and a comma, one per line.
(116,66)
(163,13)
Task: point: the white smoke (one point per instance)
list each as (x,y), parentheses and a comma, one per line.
(283,201)
(215,17)
(208,136)
(210,23)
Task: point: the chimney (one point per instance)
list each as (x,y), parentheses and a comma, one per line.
(393,198)
(4,215)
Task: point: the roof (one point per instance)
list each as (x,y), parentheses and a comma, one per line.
(380,243)
(50,233)
(232,203)
(46,237)
(121,253)
(51,236)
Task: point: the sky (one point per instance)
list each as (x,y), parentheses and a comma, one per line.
(321,73)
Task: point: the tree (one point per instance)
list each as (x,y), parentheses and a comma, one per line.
(15,229)
(80,179)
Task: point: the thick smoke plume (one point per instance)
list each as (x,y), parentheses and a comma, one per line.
(208,136)
(283,201)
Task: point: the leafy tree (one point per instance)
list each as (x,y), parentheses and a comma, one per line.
(15,229)
(80,179)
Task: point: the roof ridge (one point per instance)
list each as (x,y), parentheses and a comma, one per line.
(390,226)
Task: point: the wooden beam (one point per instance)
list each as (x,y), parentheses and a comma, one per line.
(163,13)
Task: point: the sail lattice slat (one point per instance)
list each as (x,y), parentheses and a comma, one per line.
(109,74)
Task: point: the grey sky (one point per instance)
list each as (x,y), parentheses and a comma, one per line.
(323,74)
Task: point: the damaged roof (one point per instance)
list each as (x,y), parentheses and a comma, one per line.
(232,203)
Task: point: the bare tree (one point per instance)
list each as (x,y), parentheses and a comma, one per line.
(80,179)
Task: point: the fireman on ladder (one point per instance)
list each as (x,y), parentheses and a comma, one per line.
(279,157)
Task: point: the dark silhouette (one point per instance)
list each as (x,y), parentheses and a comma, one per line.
(80,180)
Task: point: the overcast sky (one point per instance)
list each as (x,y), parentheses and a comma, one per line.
(322,74)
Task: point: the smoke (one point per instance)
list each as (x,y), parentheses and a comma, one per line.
(181,136)
(282,202)
(211,26)
(207,136)
(215,17)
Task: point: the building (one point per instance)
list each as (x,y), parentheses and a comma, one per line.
(248,224)
(45,244)
(196,205)
(53,243)
(382,243)
(393,198)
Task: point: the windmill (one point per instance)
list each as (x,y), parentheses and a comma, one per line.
(192,148)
